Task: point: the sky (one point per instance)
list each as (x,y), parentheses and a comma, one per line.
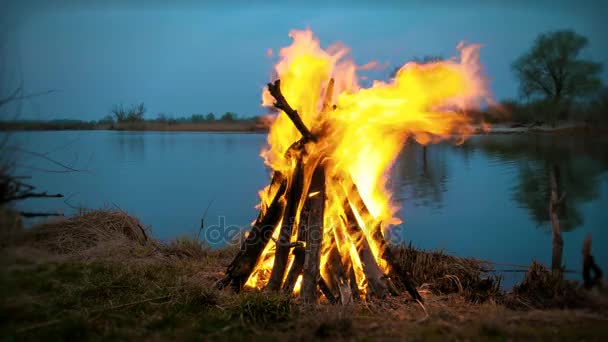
(185,57)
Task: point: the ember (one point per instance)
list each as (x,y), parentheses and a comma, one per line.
(322,218)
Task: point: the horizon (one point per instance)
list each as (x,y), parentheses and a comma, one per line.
(184,59)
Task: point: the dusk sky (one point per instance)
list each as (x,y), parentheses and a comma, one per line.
(187,57)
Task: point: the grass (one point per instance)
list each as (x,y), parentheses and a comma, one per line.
(97,277)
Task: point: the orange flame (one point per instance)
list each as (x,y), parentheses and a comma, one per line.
(365,129)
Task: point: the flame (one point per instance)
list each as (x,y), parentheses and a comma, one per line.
(363,131)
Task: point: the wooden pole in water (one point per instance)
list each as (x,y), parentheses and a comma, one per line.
(554,205)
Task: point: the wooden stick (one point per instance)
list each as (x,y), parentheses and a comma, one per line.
(289,219)
(252,247)
(354,287)
(328,96)
(299,251)
(373,273)
(282,104)
(337,276)
(314,238)
(327,291)
(378,237)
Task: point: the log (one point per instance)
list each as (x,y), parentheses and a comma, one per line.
(327,291)
(314,237)
(354,287)
(281,255)
(346,260)
(299,251)
(337,277)
(377,235)
(252,247)
(373,273)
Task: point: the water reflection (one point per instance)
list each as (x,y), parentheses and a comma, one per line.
(420,174)
(578,161)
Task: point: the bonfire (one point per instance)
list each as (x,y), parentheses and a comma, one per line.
(323,217)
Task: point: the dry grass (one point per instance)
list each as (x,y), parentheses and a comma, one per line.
(444,274)
(93,233)
(541,289)
(97,276)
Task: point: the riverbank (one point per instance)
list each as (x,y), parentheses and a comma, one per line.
(102,276)
(256,125)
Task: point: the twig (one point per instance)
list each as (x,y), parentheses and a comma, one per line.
(203,219)
(32,195)
(47,158)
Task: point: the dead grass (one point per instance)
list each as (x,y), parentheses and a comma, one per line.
(541,289)
(84,234)
(444,274)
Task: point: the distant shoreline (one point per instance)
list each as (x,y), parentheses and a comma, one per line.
(252,126)
(242,126)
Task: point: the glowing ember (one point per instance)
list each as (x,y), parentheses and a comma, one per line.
(360,132)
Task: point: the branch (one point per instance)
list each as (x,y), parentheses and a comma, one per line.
(34,214)
(32,195)
(14,96)
(282,104)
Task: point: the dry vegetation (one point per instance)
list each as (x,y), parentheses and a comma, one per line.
(101,276)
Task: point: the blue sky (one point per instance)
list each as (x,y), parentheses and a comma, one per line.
(198,57)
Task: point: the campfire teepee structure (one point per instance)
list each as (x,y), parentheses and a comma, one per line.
(321,225)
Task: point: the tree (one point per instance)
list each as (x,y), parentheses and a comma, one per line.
(210,117)
(197,118)
(133,114)
(553,70)
(228,116)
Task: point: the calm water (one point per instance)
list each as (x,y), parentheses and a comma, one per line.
(485,199)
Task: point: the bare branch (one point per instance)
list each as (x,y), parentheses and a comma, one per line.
(282,104)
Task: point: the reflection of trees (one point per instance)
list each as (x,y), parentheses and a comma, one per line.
(421,174)
(131,145)
(578,161)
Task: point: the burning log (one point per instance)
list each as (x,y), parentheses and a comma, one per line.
(337,275)
(289,219)
(314,236)
(378,237)
(251,249)
(373,273)
(299,249)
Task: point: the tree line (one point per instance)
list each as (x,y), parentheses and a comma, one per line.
(135,113)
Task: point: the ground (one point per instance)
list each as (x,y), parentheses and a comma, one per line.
(100,276)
